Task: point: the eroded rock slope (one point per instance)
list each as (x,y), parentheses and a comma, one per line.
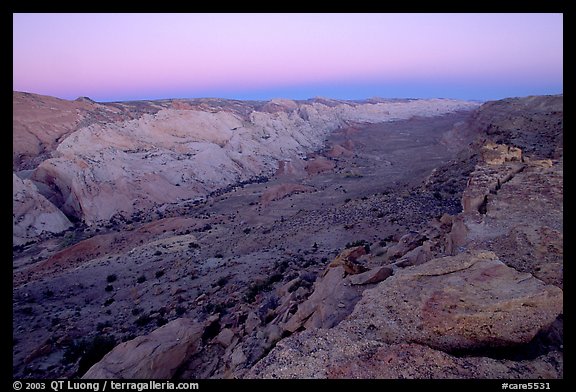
(97,161)
(491,306)
(357,261)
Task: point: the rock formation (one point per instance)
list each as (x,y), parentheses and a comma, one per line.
(32,214)
(352,260)
(483,312)
(141,160)
(155,356)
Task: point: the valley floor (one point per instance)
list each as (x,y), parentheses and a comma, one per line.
(226,254)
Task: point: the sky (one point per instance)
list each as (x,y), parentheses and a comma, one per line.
(115,57)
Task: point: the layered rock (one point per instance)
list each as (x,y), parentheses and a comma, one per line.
(459,302)
(39,123)
(522,218)
(494,308)
(281,191)
(465,302)
(157,355)
(32,214)
(173,154)
(335,354)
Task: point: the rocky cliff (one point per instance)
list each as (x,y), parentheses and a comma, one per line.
(99,161)
(32,214)
(476,294)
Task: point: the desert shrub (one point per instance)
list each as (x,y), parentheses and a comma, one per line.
(101,325)
(109,288)
(141,279)
(88,351)
(359,243)
(180,310)
(261,286)
(159,274)
(48,293)
(222,281)
(160,321)
(111,278)
(28,311)
(143,320)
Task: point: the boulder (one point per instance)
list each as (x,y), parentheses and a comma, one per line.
(406,243)
(375,275)
(416,256)
(468,301)
(414,323)
(332,300)
(156,355)
(348,259)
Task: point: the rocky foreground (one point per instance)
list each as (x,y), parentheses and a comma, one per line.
(454,272)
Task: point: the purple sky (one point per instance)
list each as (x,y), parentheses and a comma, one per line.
(111,57)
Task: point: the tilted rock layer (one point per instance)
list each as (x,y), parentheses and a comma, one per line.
(499,293)
(157,355)
(168,153)
(469,301)
(32,214)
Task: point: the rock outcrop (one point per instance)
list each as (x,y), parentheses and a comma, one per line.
(153,153)
(333,354)
(474,293)
(465,302)
(281,191)
(157,355)
(477,294)
(32,214)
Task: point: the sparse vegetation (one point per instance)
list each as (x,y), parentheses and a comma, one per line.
(261,286)
(160,321)
(88,351)
(109,302)
(222,281)
(143,320)
(206,227)
(363,243)
(100,326)
(48,293)
(180,310)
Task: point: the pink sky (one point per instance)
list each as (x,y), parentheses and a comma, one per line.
(261,56)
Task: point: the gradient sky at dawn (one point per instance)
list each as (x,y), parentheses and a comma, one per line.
(113,57)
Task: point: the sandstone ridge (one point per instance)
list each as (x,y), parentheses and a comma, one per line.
(116,159)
